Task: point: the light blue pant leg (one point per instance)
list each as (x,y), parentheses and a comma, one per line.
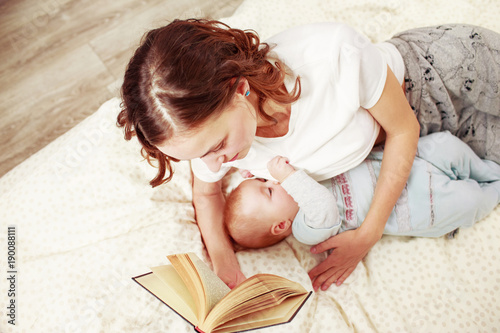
(461,203)
(456,159)
(465,188)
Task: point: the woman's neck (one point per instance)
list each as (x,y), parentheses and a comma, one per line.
(273,129)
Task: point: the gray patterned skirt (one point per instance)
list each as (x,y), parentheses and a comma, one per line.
(452,81)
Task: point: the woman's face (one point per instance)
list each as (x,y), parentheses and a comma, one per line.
(222,139)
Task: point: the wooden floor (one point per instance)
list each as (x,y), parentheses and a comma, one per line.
(61,59)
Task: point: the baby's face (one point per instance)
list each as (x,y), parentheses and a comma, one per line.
(267,200)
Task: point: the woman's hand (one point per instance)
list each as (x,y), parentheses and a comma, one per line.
(348,249)
(230,274)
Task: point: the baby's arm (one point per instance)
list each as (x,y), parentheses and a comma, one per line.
(318,208)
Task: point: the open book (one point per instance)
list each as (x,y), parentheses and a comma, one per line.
(190,288)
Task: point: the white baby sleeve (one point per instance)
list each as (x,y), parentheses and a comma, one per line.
(318,218)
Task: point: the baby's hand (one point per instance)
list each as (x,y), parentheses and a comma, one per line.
(279,168)
(245,173)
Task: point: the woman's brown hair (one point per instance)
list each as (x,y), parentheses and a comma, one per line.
(187,71)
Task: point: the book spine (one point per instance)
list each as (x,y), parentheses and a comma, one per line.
(198,330)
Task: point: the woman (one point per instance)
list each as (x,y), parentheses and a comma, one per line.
(320,94)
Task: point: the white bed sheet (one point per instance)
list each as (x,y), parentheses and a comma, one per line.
(87,221)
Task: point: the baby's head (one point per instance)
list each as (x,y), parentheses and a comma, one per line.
(259,213)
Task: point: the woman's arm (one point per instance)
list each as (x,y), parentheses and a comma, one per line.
(208,202)
(402,129)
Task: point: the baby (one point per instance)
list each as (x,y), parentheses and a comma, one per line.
(449,187)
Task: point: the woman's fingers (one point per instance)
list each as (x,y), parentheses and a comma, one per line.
(326,265)
(325,279)
(324,246)
(330,280)
(345,275)
(334,275)
(348,251)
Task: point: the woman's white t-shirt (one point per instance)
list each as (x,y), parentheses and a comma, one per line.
(330,131)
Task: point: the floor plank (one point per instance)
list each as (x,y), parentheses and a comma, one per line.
(42,106)
(61,59)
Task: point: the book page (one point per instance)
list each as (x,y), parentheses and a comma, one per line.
(260,292)
(205,286)
(167,286)
(215,288)
(280,314)
(189,275)
(169,276)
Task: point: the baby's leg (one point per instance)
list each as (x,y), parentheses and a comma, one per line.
(461,203)
(449,187)
(451,204)
(456,159)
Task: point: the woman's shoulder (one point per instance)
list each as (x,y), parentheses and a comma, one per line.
(322,31)
(308,43)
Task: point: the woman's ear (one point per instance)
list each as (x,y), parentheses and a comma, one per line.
(278,228)
(243,87)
